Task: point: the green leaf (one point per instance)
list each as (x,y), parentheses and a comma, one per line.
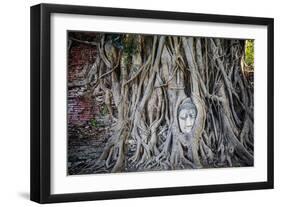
(94,123)
(249,53)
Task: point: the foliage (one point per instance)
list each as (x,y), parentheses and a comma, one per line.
(94,123)
(129,45)
(249,53)
(117,40)
(104,110)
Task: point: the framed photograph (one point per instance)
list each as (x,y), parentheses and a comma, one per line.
(132,103)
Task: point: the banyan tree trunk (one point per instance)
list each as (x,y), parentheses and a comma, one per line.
(146,79)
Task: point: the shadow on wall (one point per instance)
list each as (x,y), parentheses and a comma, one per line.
(24,195)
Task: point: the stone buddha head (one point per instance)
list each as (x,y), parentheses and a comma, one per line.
(187,113)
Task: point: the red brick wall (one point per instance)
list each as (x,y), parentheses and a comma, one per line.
(80,109)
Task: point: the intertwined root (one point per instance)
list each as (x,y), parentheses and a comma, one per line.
(147,86)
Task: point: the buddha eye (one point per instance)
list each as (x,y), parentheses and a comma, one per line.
(183,117)
(192,115)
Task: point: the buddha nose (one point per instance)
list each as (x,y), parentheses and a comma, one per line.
(188,121)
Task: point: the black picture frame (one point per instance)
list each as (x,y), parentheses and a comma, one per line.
(41,95)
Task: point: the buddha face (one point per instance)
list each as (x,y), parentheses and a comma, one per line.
(187,116)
